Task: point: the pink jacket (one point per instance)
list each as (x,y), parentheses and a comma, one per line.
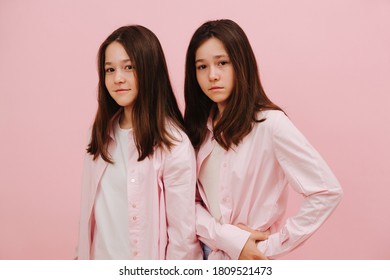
(173,176)
(254,180)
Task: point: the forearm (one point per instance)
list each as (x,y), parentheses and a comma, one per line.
(224,237)
(313,213)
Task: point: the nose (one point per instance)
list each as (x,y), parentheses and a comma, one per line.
(118,78)
(213,74)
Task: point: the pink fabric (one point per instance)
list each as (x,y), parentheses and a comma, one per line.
(254,182)
(172,177)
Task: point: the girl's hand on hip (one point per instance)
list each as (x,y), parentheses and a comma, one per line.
(250,251)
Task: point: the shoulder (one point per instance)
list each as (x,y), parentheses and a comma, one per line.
(271,119)
(181,153)
(176,133)
(272,115)
(180,142)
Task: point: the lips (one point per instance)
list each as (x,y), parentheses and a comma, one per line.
(215,88)
(121,90)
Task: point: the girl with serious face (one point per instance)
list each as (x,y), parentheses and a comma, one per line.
(139,179)
(248,154)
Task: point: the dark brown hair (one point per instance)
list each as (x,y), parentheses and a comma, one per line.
(155,103)
(247,98)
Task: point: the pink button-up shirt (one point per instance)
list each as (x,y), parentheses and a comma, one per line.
(163,184)
(254,180)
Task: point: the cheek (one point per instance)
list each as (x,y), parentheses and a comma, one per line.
(134,81)
(200,79)
(107,82)
(231,78)
(197,76)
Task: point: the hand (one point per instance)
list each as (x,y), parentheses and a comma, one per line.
(250,251)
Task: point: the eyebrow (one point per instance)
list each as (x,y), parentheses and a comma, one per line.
(215,57)
(110,63)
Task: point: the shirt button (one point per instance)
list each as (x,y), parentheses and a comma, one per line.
(133,205)
(134,218)
(132,180)
(135,253)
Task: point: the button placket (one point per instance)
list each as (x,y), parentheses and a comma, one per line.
(134,218)
(135,200)
(133,210)
(226,206)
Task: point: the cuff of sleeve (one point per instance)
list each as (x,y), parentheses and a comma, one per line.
(231,240)
(271,247)
(263,246)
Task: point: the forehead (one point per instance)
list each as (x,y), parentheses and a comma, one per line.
(211,48)
(115,52)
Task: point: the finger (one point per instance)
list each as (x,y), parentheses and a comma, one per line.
(259,236)
(246,228)
(260,257)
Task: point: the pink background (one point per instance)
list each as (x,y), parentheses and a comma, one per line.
(327,63)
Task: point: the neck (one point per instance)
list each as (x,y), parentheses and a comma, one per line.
(217,116)
(221,107)
(126,120)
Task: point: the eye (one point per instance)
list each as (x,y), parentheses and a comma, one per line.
(129,67)
(110,70)
(201,67)
(223,62)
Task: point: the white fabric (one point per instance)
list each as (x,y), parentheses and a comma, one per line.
(111,236)
(209,178)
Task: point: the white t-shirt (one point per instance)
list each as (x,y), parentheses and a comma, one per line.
(209,178)
(111,237)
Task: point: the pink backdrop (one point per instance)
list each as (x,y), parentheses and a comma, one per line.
(327,63)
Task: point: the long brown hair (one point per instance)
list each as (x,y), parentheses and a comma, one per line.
(155,103)
(247,98)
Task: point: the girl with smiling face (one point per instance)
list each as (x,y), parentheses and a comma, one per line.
(248,154)
(138,189)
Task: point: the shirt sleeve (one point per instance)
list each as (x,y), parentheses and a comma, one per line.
(309,175)
(179,177)
(219,237)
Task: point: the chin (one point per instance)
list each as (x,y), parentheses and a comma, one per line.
(125,103)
